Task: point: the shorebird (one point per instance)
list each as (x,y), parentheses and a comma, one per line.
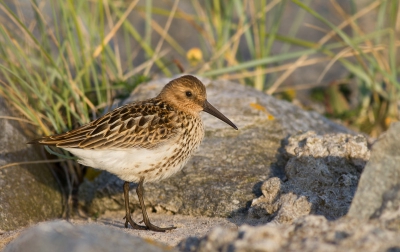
(144,141)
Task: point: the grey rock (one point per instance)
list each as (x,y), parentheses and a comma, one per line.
(29,193)
(308,233)
(279,204)
(343,157)
(63,236)
(226,172)
(379,188)
(321,178)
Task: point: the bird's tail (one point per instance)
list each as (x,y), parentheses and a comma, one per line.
(68,139)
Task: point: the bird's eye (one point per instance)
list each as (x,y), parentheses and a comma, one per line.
(188,94)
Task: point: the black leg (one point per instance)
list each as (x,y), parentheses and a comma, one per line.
(146,220)
(128,218)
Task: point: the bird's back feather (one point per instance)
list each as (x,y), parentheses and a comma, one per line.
(145,124)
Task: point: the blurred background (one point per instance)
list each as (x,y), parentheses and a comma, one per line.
(63,62)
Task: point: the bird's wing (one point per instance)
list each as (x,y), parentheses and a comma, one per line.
(145,124)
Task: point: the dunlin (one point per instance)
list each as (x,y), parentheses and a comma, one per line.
(143,141)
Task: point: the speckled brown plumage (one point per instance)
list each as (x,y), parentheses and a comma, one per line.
(145,124)
(143,141)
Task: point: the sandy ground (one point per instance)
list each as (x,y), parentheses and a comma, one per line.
(187,226)
(6,237)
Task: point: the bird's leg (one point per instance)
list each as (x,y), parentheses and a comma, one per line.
(128,218)
(146,220)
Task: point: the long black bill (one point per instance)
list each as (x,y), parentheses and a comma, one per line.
(213,111)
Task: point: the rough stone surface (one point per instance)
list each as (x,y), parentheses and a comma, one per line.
(187,226)
(278,203)
(63,236)
(309,233)
(225,174)
(379,188)
(321,178)
(28,193)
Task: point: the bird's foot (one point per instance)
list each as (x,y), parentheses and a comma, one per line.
(129,220)
(157,229)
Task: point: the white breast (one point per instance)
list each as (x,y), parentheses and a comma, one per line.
(126,164)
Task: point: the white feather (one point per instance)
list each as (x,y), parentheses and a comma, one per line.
(127,164)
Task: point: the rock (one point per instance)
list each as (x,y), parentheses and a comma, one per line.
(225,174)
(308,233)
(367,227)
(187,226)
(378,192)
(63,236)
(321,178)
(29,193)
(281,205)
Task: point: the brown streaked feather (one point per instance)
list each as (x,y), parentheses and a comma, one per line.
(144,124)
